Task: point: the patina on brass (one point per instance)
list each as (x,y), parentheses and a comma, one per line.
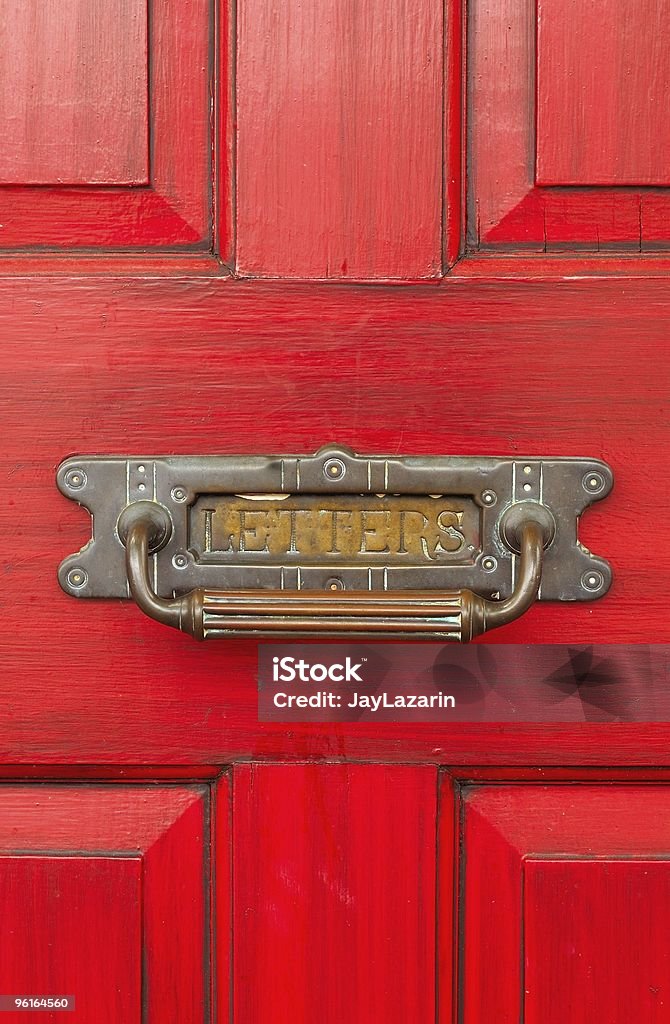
(335,542)
(334,528)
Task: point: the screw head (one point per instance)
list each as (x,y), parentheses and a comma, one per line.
(334,583)
(489,498)
(489,564)
(179,494)
(180,560)
(77,578)
(594,483)
(593,580)
(75,479)
(334,469)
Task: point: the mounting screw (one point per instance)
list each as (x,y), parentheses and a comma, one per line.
(489,564)
(334,583)
(75,479)
(334,469)
(180,560)
(77,578)
(489,497)
(179,494)
(593,483)
(593,580)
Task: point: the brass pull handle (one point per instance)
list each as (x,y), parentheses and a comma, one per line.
(458,615)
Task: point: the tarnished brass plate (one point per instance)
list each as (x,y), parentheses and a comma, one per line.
(320,529)
(335,520)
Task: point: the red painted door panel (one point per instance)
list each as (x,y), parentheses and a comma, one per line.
(105,898)
(566,136)
(104,117)
(589,56)
(496,227)
(334,893)
(82,121)
(340,105)
(605,907)
(565,904)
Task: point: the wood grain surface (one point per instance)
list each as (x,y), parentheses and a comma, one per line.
(218,867)
(339,112)
(154,126)
(571,97)
(74,94)
(197,366)
(55,911)
(334,888)
(602,83)
(106,896)
(577,971)
(564,903)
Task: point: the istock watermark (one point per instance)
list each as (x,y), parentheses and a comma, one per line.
(323,678)
(288,669)
(477,683)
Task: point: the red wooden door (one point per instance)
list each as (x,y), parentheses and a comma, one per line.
(417,228)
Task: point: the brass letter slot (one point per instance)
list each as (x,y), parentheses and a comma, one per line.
(335,543)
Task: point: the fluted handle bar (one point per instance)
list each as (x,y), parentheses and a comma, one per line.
(458,615)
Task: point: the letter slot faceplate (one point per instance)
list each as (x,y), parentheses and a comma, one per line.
(337,521)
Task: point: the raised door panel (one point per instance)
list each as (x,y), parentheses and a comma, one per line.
(52,905)
(74,108)
(565,902)
(603,78)
(105,120)
(609,958)
(567,140)
(105,894)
